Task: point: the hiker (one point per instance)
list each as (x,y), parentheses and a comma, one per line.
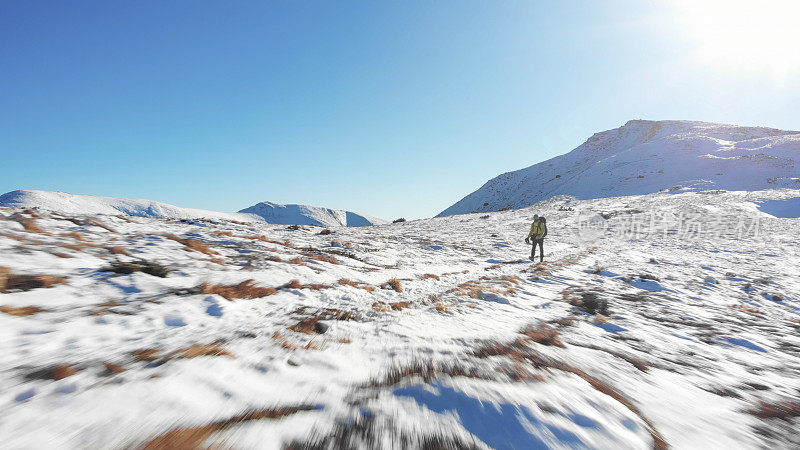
(536,236)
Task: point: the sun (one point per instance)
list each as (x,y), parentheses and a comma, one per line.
(756,37)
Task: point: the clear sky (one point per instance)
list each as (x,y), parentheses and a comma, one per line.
(389,108)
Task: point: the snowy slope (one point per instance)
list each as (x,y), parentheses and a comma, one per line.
(656,320)
(90,204)
(310,215)
(648,156)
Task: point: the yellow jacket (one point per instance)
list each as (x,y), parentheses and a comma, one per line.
(538,230)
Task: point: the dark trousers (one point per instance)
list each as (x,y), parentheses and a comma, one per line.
(540,243)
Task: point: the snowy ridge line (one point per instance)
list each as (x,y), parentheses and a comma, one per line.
(263,212)
(623,340)
(644,157)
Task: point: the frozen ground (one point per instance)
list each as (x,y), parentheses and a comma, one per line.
(642,329)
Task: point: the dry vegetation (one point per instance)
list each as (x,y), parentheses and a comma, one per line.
(307,326)
(200,350)
(192,244)
(11,282)
(193,437)
(113,369)
(543,335)
(395,284)
(100,225)
(323,257)
(355,284)
(778,410)
(22,311)
(29,224)
(58,372)
(146,354)
(246,289)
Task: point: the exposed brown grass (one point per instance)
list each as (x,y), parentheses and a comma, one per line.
(251,237)
(58,372)
(779,410)
(513,279)
(200,350)
(391,306)
(22,311)
(399,306)
(543,335)
(100,225)
(395,284)
(192,244)
(146,354)
(12,282)
(324,258)
(427,371)
(112,368)
(306,326)
(564,321)
(381,307)
(355,284)
(246,289)
(63,371)
(199,246)
(193,437)
(75,235)
(516,350)
(278,337)
(29,224)
(118,251)
(298,261)
(20,239)
(294,284)
(430,275)
(74,247)
(635,362)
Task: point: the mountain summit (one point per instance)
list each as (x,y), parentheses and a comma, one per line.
(645,156)
(310,215)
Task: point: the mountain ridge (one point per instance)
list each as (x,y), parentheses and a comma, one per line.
(67,203)
(646,156)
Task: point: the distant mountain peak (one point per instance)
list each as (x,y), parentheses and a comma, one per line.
(309,215)
(66,203)
(646,156)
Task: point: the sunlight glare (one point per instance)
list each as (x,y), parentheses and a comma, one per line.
(755,37)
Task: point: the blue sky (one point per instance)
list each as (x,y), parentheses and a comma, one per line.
(386,108)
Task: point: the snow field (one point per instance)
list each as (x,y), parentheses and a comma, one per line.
(699,331)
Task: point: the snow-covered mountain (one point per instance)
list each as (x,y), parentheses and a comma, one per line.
(310,215)
(646,156)
(66,203)
(656,321)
